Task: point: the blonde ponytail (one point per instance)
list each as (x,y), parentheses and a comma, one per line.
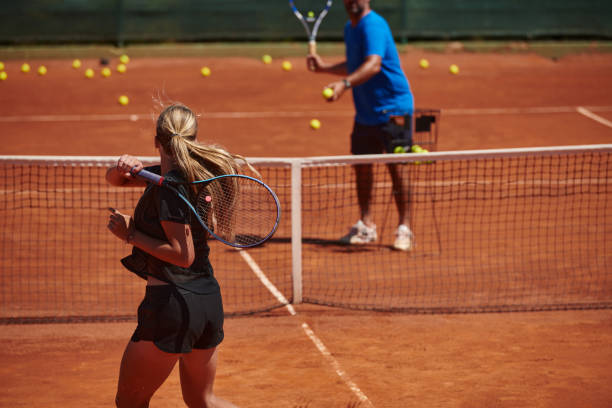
(176,132)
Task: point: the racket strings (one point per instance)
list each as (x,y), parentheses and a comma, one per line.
(238,210)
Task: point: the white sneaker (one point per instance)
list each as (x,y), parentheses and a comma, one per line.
(404,239)
(360,234)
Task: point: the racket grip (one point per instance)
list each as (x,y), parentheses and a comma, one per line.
(312,47)
(312,50)
(148,176)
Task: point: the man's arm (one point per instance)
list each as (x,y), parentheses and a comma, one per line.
(369,68)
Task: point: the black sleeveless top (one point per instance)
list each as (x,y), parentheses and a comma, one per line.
(159,204)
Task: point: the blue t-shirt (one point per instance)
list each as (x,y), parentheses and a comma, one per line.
(388,92)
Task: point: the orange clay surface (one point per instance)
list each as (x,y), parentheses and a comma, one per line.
(543,359)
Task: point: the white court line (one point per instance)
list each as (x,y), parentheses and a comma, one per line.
(311,335)
(593,116)
(334,363)
(296,114)
(266,282)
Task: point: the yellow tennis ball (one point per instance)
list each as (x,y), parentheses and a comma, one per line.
(416,148)
(315,124)
(124,59)
(89,73)
(121,68)
(399,149)
(311,14)
(3,76)
(287,65)
(266,59)
(1,66)
(328,93)
(25,68)
(454,69)
(76,64)
(423,63)
(205,71)
(106,72)
(42,70)
(124,100)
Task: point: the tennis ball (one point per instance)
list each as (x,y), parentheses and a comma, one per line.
(76,64)
(315,124)
(42,70)
(328,93)
(3,76)
(205,71)
(124,100)
(266,59)
(25,68)
(124,59)
(89,73)
(287,65)
(399,149)
(106,72)
(311,14)
(423,63)
(1,66)
(416,148)
(121,68)
(453,69)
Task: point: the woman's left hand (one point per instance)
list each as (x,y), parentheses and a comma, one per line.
(119,224)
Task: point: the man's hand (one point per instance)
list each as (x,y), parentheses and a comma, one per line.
(339,87)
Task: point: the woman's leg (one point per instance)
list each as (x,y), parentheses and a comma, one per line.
(144,368)
(198,370)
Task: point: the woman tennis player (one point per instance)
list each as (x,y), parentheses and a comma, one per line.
(181,315)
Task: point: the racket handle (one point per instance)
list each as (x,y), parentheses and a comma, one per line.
(148,176)
(312,47)
(312,50)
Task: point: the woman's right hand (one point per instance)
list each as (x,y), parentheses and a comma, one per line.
(128,165)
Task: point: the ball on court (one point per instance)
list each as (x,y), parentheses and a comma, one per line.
(287,65)
(106,72)
(42,70)
(25,68)
(399,149)
(423,63)
(453,69)
(266,59)
(3,76)
(205,71)
(124,59)
(121,68)
(124,100)
(1,66)
(76,64)
(328,93)
(315,124)
(89,73)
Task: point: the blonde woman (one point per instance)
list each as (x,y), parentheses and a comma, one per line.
(181,316)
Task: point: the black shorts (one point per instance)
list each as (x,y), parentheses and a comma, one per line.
(178,321)
(383,138)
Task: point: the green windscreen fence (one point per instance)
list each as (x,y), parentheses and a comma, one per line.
(124,21)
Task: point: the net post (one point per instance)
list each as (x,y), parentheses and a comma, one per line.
(296,229)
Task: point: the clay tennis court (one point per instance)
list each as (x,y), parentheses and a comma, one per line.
(340,358)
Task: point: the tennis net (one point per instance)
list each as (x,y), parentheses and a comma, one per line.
(495,230)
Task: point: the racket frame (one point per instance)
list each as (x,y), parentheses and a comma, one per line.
(312,34)
(158,180)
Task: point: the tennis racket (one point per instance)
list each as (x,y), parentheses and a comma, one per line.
(310,19)
(237,210)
